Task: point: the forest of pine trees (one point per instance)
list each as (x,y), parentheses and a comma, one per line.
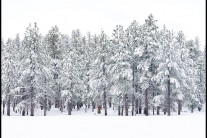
(140,69)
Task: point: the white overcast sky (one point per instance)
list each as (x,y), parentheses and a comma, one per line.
(93,15)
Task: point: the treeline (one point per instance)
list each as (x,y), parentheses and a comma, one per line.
(146,68)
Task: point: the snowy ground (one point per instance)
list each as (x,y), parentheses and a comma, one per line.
(92,125)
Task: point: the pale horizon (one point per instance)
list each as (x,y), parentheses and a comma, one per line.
(92,16)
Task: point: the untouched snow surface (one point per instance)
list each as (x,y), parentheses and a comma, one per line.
(91,125)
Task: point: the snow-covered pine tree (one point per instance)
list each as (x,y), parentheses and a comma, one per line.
(87,68)
(69,76)
(2,81)
(103,61)
(34,73)
(8,74)
(147,52)
(194,97)
(94,72)
(54,49)
(46,94)
(171,75)
(132,42)
(120,70)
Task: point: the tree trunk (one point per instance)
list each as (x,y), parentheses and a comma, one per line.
(122,110)
(8,106)
(32,109)
(133,97)
(164,111)
(45,106)
(69,108)
(23,112)
(105,106)
(110,102)
(179,107)
(119,110)
(14,106)
(168,97)
(126,104)
(61,105)
(158,110)
(49,104)
(153,108)
(136,100)
(136,106)
(32,102)
(27,111)
(93,106)
(133,85)
(3,106)
(104,73)
(77,106)
(99,109)
(57,102)
(85,107)
(192,108)
(140,103)
(146,103)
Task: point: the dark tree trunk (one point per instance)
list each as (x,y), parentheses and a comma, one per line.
(69,107)
(45,106)
(133,97)
(133,85)
(153,108)
(110,102)
(3,106)
(122,110)
(93,106)
(179,107)
(77,106)
(56,103)
(32,102)
(8,106)
(136,106)
(119,110)
(23,112)
(27,111)
(136,100)
(158,110)
(164,111)
(49,104)
(61,105)
(85,107)
(168,96)
(105,106)
(32,110)
(14,106)
(126,104)
(140,110)
(192,108)
(146,103)
(140,103)
(99,109)
(104,73)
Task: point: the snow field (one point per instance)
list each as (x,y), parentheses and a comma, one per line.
(88,125)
